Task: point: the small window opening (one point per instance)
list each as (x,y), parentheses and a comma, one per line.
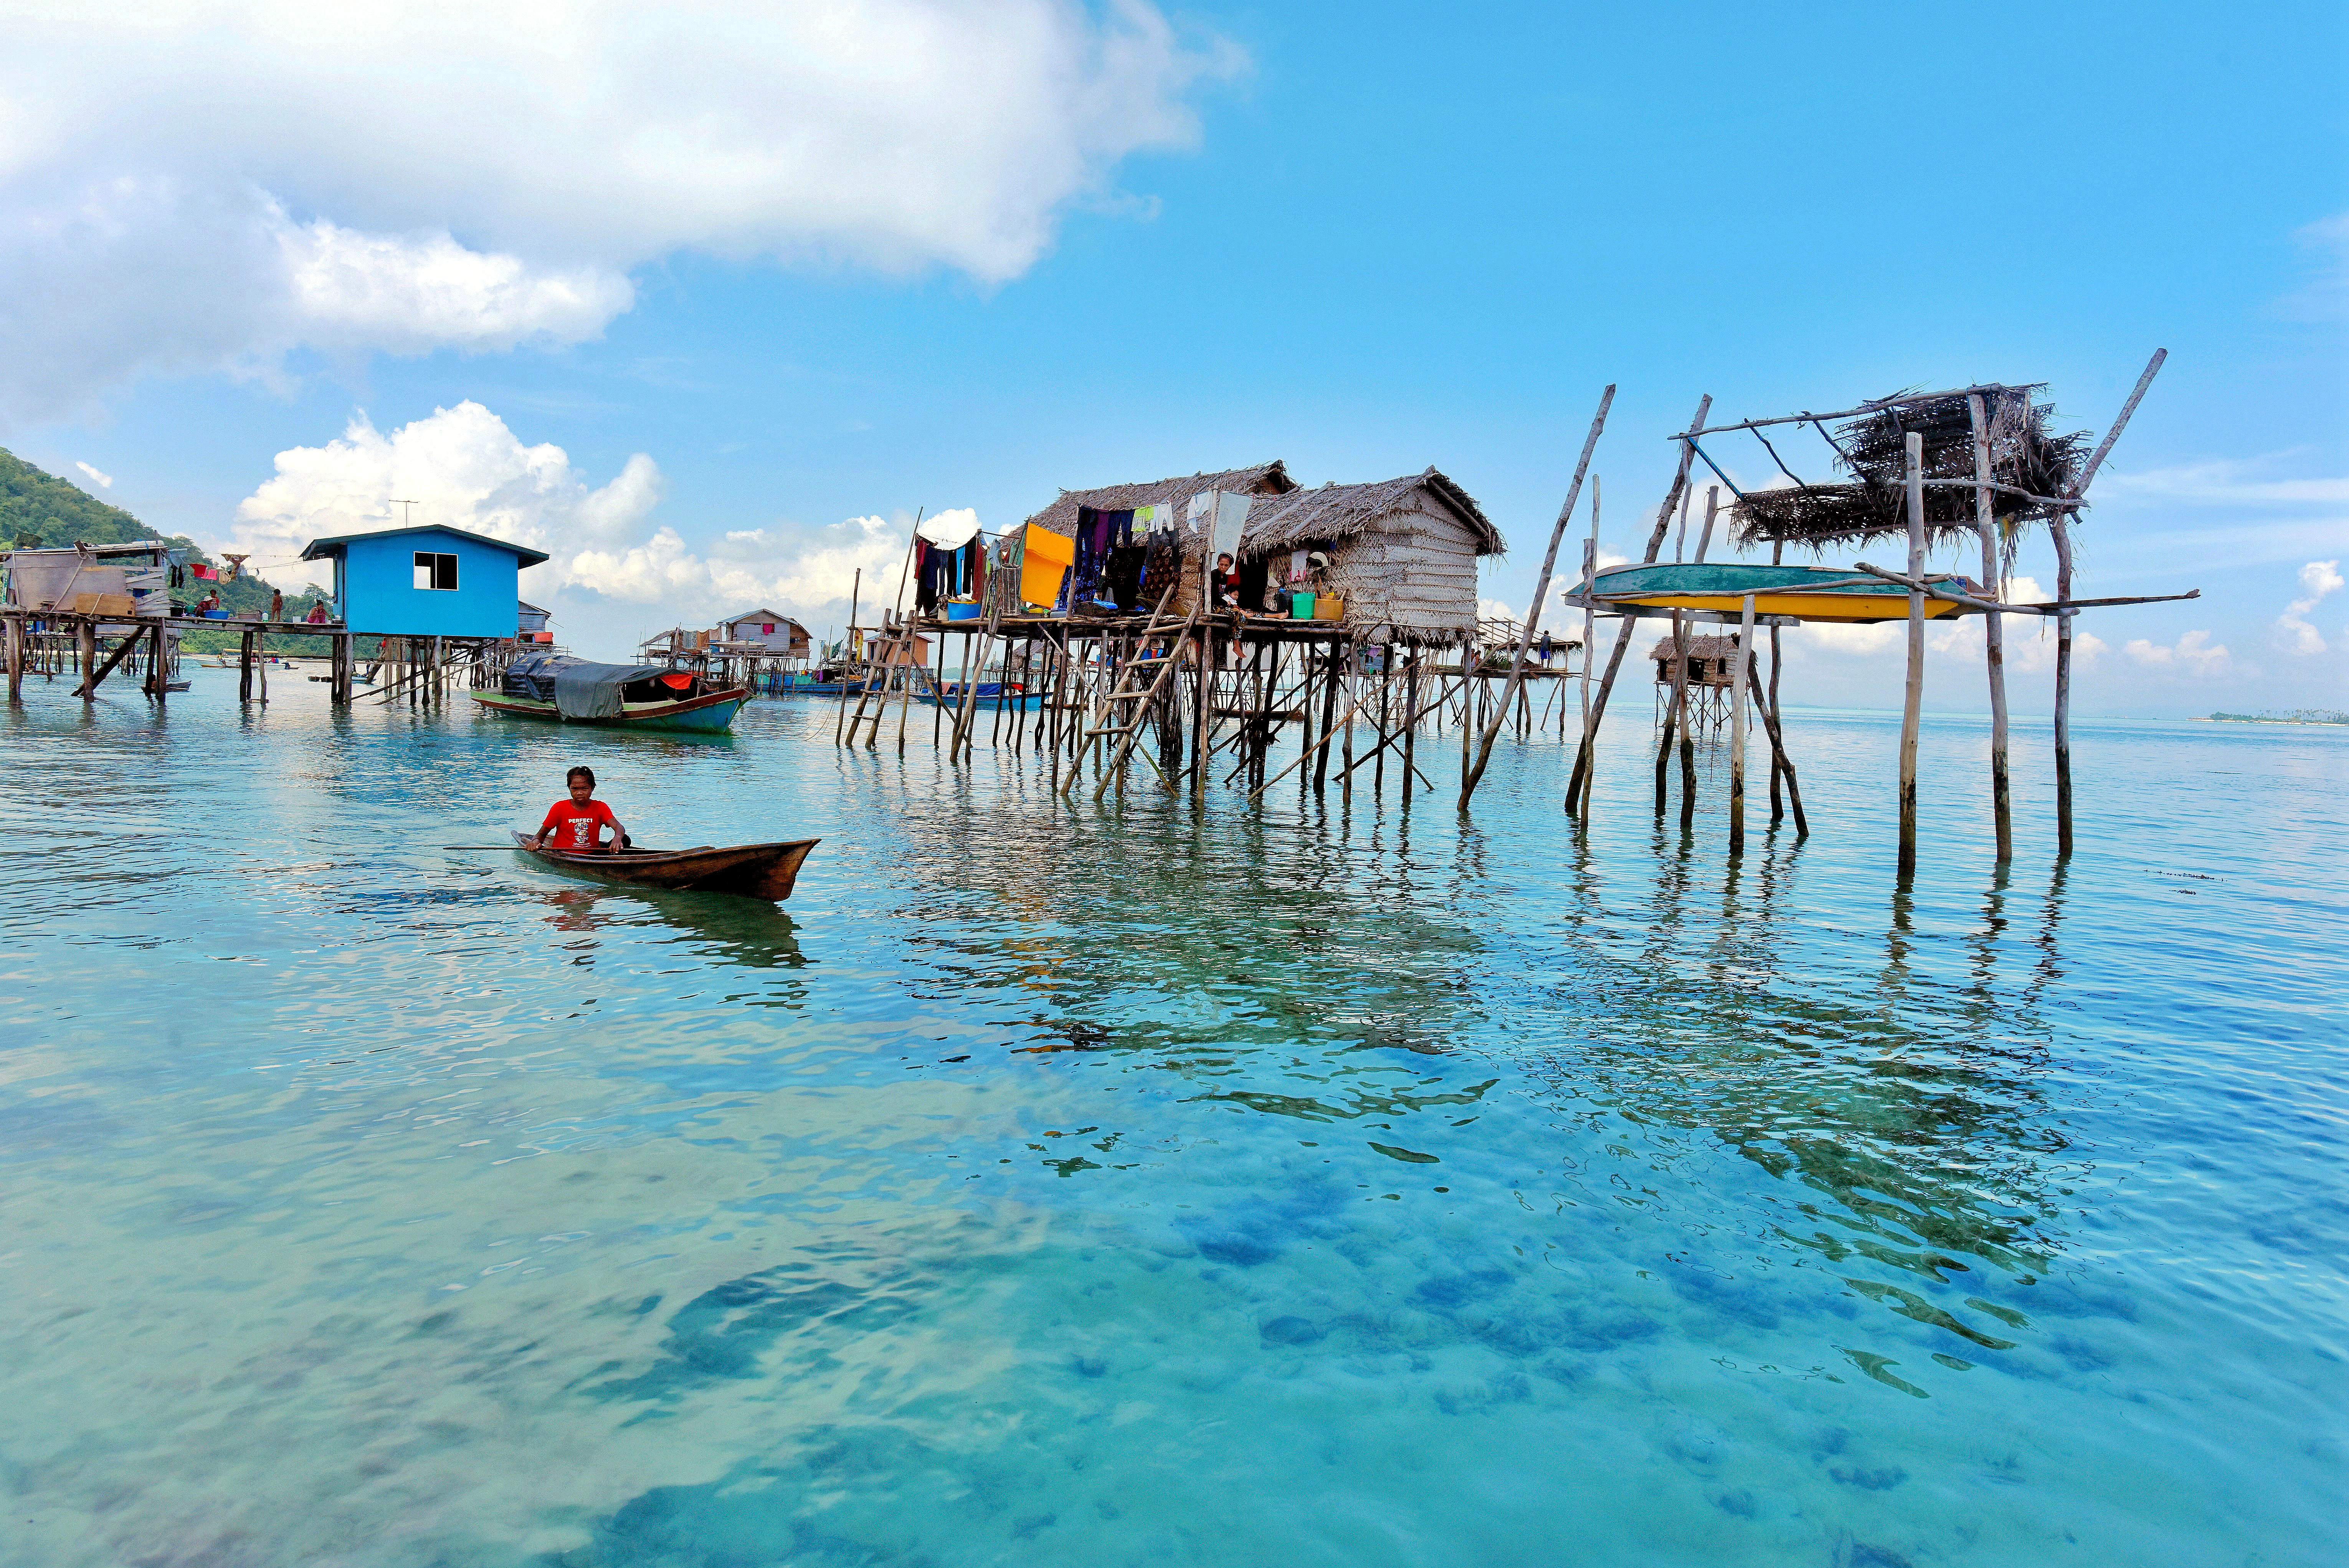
(436,572)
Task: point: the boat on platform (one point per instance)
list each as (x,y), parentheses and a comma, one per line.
(620,696)
(1806,593)
(750,870)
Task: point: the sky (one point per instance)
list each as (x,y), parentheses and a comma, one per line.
(709,302)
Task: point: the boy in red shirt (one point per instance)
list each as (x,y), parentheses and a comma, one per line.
(576,824)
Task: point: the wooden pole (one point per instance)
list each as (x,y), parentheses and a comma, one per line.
(15,635)
(2059,529)
(1379,757)
(1577,786)
(1993,632)
(1737,729)
(1475,773)
(1411,730)
(847,649)
(1913,709)
(88,692)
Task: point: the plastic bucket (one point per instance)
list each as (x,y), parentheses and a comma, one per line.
(961,612)
(1329,606)
(1301,606)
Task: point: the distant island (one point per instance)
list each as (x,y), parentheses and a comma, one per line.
(2297,716)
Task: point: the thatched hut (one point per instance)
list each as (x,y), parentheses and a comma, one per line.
(1402,554)
(1708,661)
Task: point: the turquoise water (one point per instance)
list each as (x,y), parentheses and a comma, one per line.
(1321,1185)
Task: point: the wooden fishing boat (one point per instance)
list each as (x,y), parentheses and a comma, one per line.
(622,696)
(751,870)
(1806,593)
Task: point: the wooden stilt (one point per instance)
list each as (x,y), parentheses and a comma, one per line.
(1737,728)
(1993,633)
(847,649)
(1770,708)
(1472,774)
(15,632)
(2059,529)
(1913,707)
(1411,730)
(88,690)
(1576,785)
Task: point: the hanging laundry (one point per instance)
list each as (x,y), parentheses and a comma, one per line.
(1123,574)
(1044,561)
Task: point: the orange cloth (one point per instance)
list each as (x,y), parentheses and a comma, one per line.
(1046,558)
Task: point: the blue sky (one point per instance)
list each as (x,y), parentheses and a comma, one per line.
(1360,239)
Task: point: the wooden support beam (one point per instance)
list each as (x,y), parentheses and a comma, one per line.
(1993,633)
(88,690)
(1576,788)
(1913,705)
(1541,593)
(1737,731)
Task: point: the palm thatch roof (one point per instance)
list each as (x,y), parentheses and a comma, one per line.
(1700,648)
(1264,479)
(1337,512)
(2025,454)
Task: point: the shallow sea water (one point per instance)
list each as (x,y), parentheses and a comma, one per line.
(1326,1184)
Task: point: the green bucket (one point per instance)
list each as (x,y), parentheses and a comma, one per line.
(1300,606)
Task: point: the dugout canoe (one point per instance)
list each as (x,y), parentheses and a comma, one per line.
(751,870)
(1806,593)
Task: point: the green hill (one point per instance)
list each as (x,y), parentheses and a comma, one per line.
(36,507)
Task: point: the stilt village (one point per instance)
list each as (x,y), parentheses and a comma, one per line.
(1233,630)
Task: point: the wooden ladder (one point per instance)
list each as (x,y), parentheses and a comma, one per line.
(1139,681)
(898,665)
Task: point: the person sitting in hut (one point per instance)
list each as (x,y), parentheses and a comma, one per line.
(577,825)
(1227,582)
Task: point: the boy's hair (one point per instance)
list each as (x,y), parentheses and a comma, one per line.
(1224,556)
(580,772)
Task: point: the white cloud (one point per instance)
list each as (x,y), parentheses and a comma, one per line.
(2228,482)
(2193,654)
(463,467)
(183,188)
(2318,581)
(105,480)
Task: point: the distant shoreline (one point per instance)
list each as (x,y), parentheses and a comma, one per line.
(2305,716)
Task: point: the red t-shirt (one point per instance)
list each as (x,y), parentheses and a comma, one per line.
(579,828)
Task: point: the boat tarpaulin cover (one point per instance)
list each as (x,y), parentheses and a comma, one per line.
(578,689)
(584,690)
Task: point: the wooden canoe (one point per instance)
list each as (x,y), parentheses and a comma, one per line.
(752,870)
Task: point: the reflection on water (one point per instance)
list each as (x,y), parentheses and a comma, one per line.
(1158,1182)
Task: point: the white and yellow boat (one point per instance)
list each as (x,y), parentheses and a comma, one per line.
(1802,593)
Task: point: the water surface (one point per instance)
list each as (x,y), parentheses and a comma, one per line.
(1327,1184)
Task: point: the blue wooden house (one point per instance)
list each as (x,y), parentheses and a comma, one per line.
(425,581)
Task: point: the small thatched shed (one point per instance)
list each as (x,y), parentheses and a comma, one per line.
(1708,659)
(1402,553)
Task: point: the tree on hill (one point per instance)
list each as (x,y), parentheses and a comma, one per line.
(38,509)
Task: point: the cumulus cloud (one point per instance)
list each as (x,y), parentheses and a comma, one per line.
(2192,654)
(2318,580)
(464,468)
(378,176)
(103,481)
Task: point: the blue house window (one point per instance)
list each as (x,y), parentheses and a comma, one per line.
(436,572)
